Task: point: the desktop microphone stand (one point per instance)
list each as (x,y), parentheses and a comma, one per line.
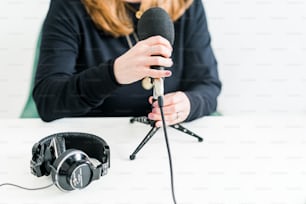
(154,129)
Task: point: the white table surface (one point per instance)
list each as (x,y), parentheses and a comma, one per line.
(243,160)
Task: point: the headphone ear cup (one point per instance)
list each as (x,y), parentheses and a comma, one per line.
(41,156)
(72,170)
(35,148)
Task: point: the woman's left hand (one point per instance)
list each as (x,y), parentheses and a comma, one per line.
(176,109)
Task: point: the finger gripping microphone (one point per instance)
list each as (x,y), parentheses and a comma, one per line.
(156,21)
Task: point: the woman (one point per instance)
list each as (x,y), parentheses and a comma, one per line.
(92,64)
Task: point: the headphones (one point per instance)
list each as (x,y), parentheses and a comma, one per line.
(73,159)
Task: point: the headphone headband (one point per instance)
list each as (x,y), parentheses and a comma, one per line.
(88,143)
(45,152)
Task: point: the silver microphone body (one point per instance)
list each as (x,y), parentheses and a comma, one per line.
(158,88)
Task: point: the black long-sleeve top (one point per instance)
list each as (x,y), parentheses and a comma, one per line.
(75,75)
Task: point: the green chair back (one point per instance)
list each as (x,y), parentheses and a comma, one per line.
(216,114)
(30,110)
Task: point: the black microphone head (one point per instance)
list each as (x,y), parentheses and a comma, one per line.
(155,21)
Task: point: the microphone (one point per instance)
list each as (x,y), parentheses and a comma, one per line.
(156,21)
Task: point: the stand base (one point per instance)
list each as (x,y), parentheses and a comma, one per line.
(154,129)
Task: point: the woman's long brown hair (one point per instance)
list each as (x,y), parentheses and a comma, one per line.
(112,16)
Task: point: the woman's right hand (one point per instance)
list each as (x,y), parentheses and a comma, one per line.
(136,63)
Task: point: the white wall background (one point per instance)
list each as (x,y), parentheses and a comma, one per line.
(20,22)
(260,46)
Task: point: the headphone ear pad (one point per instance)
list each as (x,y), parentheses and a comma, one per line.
(72,170)
(41,157)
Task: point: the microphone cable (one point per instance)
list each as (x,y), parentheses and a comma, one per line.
(26,188)
(161,104)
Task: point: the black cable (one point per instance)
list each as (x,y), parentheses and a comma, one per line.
(25,188)
(161,104)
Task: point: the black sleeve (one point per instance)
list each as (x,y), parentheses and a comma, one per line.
(200,79)
(60,91)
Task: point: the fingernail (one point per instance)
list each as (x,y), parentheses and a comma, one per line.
(168,73)
(150,116)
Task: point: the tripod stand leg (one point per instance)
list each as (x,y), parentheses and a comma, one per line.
(143,142)
(185,130)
